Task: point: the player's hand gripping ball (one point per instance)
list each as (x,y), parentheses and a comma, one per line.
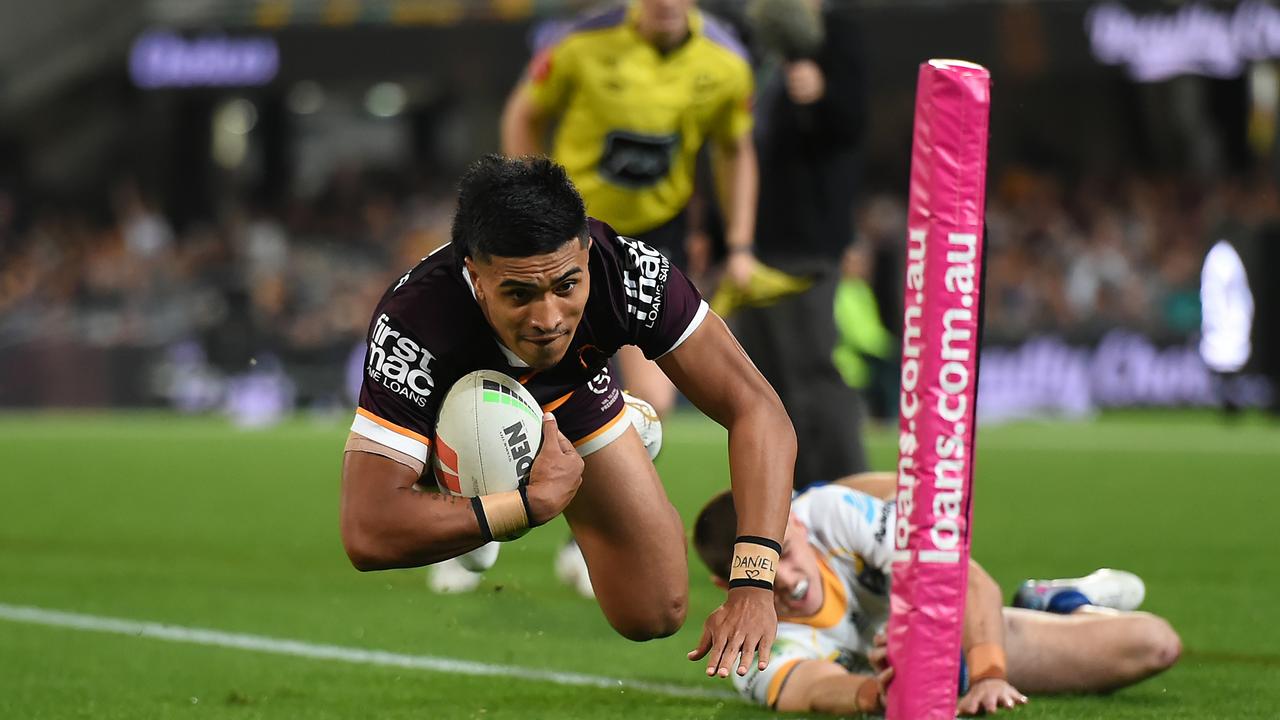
(487,434)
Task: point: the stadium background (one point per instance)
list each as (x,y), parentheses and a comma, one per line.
(201,201)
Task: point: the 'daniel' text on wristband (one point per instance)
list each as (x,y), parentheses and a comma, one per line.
(755,562)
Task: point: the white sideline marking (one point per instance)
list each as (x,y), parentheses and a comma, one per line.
(296,648)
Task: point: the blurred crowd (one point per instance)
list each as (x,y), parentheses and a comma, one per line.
(297,283)
(1077,260)
(289,288)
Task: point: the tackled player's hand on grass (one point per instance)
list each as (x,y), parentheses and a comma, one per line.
(872,694)
(556,473)
(739,629)
(988,696)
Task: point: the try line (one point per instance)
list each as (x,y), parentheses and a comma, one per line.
(297,648)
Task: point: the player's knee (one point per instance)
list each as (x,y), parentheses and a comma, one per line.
(1164,647)
(1156,646)
(664,619)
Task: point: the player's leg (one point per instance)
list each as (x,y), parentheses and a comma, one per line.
(632,539)
(571,567)
(1090,650)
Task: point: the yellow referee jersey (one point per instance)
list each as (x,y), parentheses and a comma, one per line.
(631,118)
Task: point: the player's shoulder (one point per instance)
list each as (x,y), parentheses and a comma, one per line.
(834,503)
(723,42)
(626,260)
(619,251)
(825,495)
(581,32)
(410,309)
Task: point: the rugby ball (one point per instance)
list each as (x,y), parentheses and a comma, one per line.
(487,433)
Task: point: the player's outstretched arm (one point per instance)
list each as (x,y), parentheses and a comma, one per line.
(386,523)
(989,688)
(712,370)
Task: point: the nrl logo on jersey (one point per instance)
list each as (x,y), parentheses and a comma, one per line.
(644,280)
(399,363)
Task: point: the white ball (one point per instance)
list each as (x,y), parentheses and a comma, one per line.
(487,433)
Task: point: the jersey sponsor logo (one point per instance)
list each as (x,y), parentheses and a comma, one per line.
(636,161)
(600,383)
(644,280)
(399,363)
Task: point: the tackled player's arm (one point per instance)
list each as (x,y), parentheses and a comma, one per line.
(826,687)
(983,641)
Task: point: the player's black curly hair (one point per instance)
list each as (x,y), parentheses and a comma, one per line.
(714,532)
(516,207)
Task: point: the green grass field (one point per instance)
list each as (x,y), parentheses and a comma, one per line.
(192,523)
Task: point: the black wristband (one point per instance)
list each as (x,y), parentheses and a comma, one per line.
(477,507)
(745,582)
(773,545)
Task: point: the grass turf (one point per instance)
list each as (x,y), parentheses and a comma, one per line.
(190,522)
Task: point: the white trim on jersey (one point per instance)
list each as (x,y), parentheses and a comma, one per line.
(698,317)
(392,439)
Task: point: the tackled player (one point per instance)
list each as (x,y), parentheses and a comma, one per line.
(533,288)
(832,598)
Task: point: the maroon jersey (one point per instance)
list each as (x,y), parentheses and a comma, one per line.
(428,331)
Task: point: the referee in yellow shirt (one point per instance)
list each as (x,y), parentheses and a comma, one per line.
(636,91)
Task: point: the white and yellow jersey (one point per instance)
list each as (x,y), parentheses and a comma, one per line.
(852,533)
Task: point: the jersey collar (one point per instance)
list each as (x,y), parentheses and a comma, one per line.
(513,360)
(834,600)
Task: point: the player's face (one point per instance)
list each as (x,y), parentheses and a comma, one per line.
(535,303)
(665,22)
(797,588)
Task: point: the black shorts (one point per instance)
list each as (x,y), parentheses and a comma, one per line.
(592,416)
